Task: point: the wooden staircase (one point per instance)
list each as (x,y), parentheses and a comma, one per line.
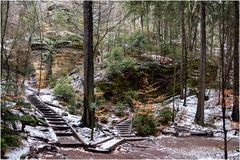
(124,128)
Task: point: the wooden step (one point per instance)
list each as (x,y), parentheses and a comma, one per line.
(70,144)
(60,127)
(69,141)
(127,135)
(134,138)
(55,119)
(47,112)
(52,116)
(124,132)
(122,127)
(101,141)
(124,123)
(64,133)
(57,122)
(55,125)
(44,109)
(107,146)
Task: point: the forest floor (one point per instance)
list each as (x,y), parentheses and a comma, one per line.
(164,146)
(161,147)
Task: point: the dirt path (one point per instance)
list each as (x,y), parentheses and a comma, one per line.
(163,147)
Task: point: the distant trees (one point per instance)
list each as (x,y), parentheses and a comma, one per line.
(18,24)
(199,118)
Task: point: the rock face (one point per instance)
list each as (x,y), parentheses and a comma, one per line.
(64,60)
(41,70)
(149,80)
(61,61)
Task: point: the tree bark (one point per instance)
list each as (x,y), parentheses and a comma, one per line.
(212,36)
(134,22)
(222,42)
(183,51)
(3,33)
(141,21)
(87,119)
(16,74)
(199,118)
(229,46)
(147,19)
(3,30)
(235,113)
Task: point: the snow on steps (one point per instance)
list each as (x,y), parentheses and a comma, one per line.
(107,146)
(124,128)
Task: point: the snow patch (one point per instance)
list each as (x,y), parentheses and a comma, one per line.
(42,132)
(185,117)
(16,153)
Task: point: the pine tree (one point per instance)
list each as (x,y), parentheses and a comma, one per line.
(199,118)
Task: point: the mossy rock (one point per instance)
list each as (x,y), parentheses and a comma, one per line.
(147,76)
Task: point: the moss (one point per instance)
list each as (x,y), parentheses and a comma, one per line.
(29,120)
(9,138)
(148,80)
(21,102)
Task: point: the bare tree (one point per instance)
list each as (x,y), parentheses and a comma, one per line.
(222,42)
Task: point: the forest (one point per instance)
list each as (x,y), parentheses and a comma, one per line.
(120,79)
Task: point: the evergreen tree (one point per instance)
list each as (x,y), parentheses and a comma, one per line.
(199,118)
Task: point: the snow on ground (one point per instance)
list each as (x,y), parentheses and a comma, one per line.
(17,153)
(212,115)
(30,90)
(42,132)
(35,133)
(184,120)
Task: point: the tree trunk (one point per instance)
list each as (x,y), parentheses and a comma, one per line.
(199,118)
(235,113)
(147,19)
(222,42)
(212,36)
(3,30)
(16,74)
(87,119)
(134,22)
(183,50)
(229,47)
(141,21)
(159,34)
